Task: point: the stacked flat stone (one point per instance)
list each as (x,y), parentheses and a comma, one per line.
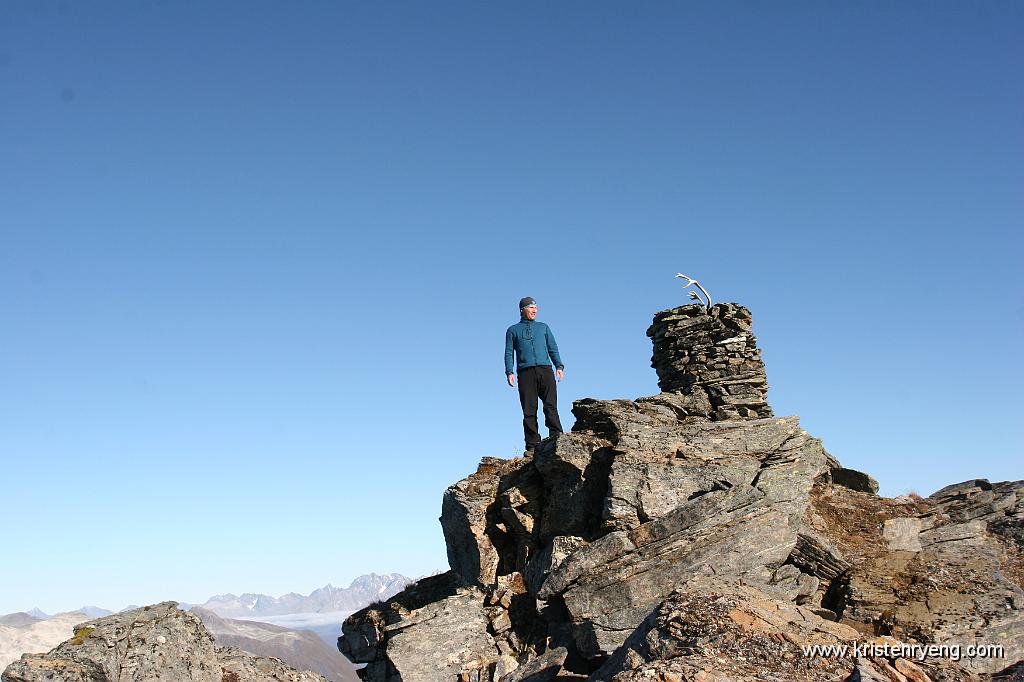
(713,351)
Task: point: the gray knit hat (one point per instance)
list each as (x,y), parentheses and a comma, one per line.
(526,302)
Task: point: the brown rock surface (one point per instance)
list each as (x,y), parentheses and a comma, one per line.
(714,628)
(961,588)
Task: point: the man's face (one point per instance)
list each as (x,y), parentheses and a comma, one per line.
(530,312)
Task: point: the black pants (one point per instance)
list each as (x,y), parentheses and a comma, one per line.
(539,382)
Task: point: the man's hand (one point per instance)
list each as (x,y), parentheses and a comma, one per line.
(560,373)
(511,378)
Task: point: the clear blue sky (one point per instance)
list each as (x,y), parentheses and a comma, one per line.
(257,259)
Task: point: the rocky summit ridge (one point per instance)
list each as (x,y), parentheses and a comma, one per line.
(693,535)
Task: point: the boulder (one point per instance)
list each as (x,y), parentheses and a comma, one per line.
(466,525)
(903,533)
(435,629)
(854,480)
(540,669)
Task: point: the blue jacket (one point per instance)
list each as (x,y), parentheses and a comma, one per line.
(534,345)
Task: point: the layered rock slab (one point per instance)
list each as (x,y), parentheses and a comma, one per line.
(436,629)
(683,499)
(715,629)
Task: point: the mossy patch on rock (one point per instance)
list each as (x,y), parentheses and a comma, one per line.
(80,635)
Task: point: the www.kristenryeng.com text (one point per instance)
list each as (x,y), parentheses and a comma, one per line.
(917,652)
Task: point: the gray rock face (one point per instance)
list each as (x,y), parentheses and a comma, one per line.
(572,472)
(731,495)
(159,642)
(464,520)
(434,630)
(553,555)
(691,535)
(465,645)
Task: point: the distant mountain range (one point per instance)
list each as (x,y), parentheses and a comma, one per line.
(90,611)
(363,590)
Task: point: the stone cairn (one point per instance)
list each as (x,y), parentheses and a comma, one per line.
(711,351)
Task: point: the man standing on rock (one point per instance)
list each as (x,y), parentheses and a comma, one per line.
(535,351)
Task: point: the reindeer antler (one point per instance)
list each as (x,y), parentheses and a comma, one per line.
(690,281)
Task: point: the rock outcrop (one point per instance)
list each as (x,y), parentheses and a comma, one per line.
(159,642)
(692,535)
